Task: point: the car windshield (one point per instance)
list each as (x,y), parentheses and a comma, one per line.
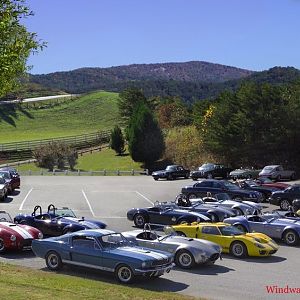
(5,175)
(265,180)
(268,168)
(230,186)
(230,230)
(5,217)
(222,196)
(206,167)
(63,212)
(170,168)
(113,240)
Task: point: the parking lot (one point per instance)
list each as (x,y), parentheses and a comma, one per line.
(109,198)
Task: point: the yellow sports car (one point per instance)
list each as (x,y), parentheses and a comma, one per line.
(232,240)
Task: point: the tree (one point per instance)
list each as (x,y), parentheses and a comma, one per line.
(117,142)
(16,43)
(145,139)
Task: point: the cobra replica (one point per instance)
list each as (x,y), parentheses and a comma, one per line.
(104,250)
(56,221)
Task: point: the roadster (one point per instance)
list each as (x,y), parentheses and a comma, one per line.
(104,250)
(187,252)
(16,237)
(56,221)
(231,239)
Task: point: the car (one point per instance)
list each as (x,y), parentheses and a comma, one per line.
(14,236)
(103,249)
(12,179)
(230,238)
(284,199)
(244,173)
(3,189)
(187,252)
(250,184)
(267,182)
(56,221)
(201,188)
(171,172)
(277,172)
(164,214)
(284,229)
(210,170)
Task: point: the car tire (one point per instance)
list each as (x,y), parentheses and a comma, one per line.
(241,227)
(238,249)
(155,178)
(209,176)
(2,246)
(192,196)
(124,274)
(278,178)
(284,204)
(53,261)
(291,238)
(194,178)
(182,221)
(184,259)
(170,177)
(293,176)
(180,233)
(139,220)
(186,176)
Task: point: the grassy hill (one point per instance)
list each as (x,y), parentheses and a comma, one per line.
(89,113)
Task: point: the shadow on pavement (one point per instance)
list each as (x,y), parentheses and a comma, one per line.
(207,270)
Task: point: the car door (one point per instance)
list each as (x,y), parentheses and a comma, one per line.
(86,251)
(211,233)
(155,215)
(258,224)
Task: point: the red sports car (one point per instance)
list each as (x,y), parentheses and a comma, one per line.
(15,236)
(264,181)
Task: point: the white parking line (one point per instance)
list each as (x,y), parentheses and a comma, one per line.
(88,203)
(21,206)
(145,197)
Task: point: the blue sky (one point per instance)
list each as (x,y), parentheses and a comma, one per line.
(250,34)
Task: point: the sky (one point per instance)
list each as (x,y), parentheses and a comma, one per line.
(250,34)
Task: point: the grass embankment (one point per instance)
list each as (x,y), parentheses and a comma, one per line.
(24,283)
(106,159)
(89,113)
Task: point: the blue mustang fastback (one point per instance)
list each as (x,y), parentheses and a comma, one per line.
(105,250)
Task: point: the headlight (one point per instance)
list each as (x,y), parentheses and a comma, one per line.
(13,238)
(40,235)
(144,264)
(259,245)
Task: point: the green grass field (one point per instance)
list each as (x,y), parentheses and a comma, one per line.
(89,113)
(24,283)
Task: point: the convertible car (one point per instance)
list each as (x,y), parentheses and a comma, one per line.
(56,221)
(165,215)
(104,250)
(187,252)
(16,237)
(285,229)
(231,239)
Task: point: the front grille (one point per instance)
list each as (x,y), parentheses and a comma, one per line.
(272,251)
(26,243)
(214,257)
(160,262)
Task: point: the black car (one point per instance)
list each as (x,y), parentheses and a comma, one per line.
(56,221)
(213,186)
(171,172)
(165,215)
(253,186)
(210,170)
(285,198)
(11,177)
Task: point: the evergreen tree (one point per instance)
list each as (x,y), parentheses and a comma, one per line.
(145,139)
(117,142)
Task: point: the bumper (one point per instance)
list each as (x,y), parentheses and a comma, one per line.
(269,249)
(154,271)
(256,200)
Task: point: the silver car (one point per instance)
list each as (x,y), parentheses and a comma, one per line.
(187,252)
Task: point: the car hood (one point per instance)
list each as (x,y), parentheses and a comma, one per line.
(286,222)
(159,172)
(86,223)
(16,230)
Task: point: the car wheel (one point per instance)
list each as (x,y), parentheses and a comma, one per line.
(53,261)
(170,177)
(155,178)
(194,178)
(209,176)
(240,211)
(278,178)
(180,233)
(186,176)
(284,204)
(241,227)
(124,274)
(293,176)
(139,220)
(291,238)
(238,249)
(182,221)
(192,196)
(2,246)
(237,198)
(184,259)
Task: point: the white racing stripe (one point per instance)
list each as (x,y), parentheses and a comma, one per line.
(146,252)
(21,231)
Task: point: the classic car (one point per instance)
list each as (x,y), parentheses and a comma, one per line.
(210,170)
(56,221)
(285,198)
(224,200)
(244,173)
(16,237)
(284,229)
(12,179)
(171,172)
(277,172)
(187,252)
(164,214)
(251,185)
(230,238)
(265,181)
(213,186)
(3,189)
(104,250)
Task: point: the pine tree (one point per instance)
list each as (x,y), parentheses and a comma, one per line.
(117,142)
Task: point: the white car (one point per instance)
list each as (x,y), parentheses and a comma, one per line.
(3,189)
